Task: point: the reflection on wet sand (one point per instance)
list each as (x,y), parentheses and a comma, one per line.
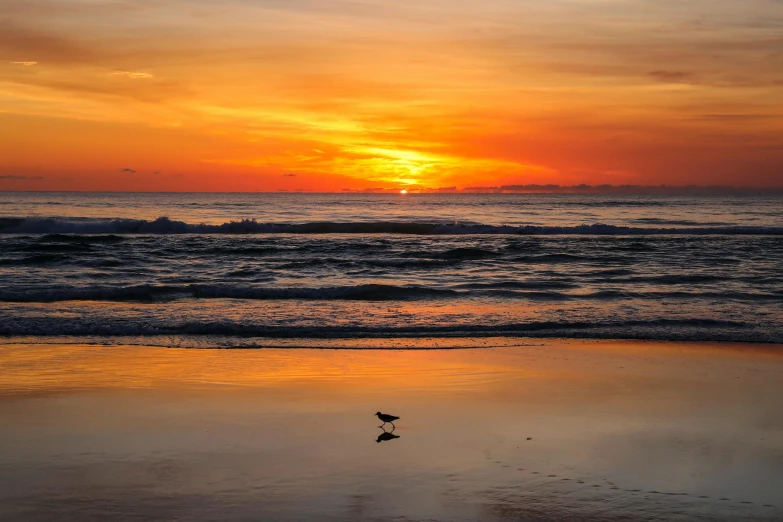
(386,435)
(555,431)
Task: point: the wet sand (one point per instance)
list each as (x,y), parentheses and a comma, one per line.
(553,430)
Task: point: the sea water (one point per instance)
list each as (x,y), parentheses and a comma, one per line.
(264,269)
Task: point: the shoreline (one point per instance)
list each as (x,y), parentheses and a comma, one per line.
(375,343)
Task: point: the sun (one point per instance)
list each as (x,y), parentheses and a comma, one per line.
(403,192)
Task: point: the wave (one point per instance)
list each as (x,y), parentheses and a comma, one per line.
(113,227)
(534,291)
(556,258)
(367,292)
(80,240)
(461,253)
(668,279)
(521,285)
(33,260)
(238,329)
(629,203)
(252,251)
(683,222)
(54,247)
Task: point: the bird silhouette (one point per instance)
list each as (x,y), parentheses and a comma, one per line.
(386,418)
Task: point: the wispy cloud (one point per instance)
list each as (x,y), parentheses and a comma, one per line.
(43,44)
(132,75)
(27,64)
(735,117)
(672,76)
(13,176)
(128,171)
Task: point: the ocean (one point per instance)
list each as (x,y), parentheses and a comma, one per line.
(256,270)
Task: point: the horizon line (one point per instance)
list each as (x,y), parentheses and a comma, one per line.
(503,189)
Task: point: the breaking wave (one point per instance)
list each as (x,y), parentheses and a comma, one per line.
(235,329)
(368,292)
(534,291)
(164,225)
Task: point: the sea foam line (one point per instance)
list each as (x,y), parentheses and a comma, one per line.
(360,292)
(164,225)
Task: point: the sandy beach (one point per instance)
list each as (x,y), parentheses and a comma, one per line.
(525,430)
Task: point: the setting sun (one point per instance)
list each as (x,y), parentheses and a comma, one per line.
(403,192)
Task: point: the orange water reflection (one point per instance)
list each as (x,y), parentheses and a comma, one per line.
(489,433)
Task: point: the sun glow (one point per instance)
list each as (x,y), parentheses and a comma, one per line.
(383,98)
(403,192)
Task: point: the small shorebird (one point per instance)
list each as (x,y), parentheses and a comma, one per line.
(386,418)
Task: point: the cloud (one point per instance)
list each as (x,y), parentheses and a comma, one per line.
(736,117)
(132,75)
(672,76)
(12,176)
(128,171)
(15,38)
(24,63)
(91,86)
(289,175)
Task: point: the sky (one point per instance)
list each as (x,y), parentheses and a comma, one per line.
(327,95)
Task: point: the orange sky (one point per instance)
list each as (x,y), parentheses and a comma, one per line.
(323,95)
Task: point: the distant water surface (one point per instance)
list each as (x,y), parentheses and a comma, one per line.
(173,269)
(489,209)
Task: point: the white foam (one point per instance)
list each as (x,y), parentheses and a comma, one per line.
(164,225)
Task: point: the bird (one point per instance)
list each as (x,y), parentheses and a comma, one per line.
(386,418)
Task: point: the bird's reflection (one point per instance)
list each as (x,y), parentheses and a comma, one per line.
(387,435)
